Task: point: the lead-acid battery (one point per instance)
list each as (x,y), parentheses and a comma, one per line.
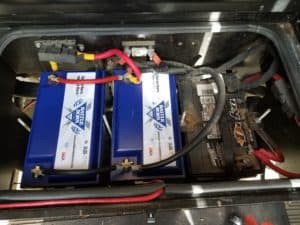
(146,126)
(66,130)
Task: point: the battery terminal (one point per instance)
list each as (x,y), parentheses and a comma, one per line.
(53,79)
(37,172)
(127,164)
(128,77)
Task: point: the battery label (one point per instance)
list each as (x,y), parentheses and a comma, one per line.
(158,133)
(74,138)
(206,92)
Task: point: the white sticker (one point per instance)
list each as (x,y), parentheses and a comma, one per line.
(207,89)
(295,183)
(207,99)
(74,138)
(158,133)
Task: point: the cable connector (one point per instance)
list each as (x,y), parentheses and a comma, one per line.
(53,79)
(37,172)
(86,56)
(128,77)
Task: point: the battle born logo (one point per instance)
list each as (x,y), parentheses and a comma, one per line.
(157,114)
(76,117)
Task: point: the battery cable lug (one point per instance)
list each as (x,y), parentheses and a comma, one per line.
(53,79)
(128,77)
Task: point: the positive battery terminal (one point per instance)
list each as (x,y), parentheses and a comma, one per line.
(53,79)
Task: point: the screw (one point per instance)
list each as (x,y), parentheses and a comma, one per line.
(151,218)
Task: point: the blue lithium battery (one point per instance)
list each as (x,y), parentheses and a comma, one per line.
(66,130)
(145,126)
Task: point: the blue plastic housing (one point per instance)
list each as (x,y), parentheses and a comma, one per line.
(127,131)
(42,144)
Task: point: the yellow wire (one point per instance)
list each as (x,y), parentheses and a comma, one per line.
(87,56)
(133,79)
(54,65)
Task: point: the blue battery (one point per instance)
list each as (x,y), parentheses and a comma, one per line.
(145,126)
(66,130)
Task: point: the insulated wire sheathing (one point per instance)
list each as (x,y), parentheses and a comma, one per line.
(109,53)
(87,81)
(131,194)
(267,75)
(116,200)
(99,56)
(266,157)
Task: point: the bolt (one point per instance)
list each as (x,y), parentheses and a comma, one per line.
(151,218)
(236,220)
(38,44)
(259,119)
(141,35)
(80,47)
(261,7)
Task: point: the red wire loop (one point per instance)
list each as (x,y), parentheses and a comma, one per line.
(266,156)
(113,200)
(123,56)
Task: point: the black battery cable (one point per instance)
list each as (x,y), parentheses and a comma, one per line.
(234,84)
(240,57)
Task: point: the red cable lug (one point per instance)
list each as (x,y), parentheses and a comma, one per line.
(156,59)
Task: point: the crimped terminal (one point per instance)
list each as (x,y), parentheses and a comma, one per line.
(131,79)
(53,79)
